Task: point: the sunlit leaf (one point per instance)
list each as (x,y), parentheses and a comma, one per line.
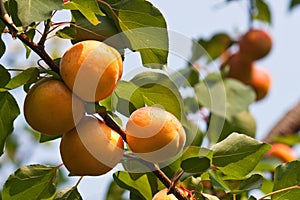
(287,175)
(114,192)
(35,10)
(9,110)
(238,154)
(157,89)
(69,193)
(140,187)
(38,181)
(67,33)
(88,8)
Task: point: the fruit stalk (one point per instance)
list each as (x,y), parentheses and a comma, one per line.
(38,49)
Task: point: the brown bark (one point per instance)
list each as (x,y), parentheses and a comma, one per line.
(289,124)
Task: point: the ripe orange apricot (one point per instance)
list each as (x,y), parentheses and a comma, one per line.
(50,107)
(154,134)
(282,151)
(91,69)
(261,82)
(255,44)
(239,68)
(162,195)
(91,149)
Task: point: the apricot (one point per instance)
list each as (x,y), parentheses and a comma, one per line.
(91,149)
(91,69)
(162,195)
(282,151)
(255,44)
(261,82)
(239,68)
(154,134)
(51,109)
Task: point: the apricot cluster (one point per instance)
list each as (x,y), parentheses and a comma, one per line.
(90,71)
(253,45)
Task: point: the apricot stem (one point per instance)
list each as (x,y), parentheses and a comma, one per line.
(38,49)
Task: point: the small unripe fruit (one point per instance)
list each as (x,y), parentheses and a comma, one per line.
(51,109)
(162,195)
(239,68)
(282,151)
(261,82)
(91,149)
(154,134)
(255,44)
(91,69)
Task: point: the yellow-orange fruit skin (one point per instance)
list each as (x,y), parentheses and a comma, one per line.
(48,107)
(239,68)
(282,151)
(261,82)
(91,69)
(91,149)
(154,134)
(255,44)
(162,195)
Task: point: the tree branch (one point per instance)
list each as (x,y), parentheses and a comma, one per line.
(289,124)
(38,49)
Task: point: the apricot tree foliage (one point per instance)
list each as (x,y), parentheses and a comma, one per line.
(228,167)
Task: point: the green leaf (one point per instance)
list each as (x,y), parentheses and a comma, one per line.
(4,76)
(188,76)
(196,159)
(145,27)
(35,10)
(88,8)
(290,140)
(157,89)
(69,193)
(66,33)
(287,175)
(128,98)
(22,78)
(209,196)
(47,138)
(114,192)
(294,4)
(31,182)
(9,110)
(86,31)
(192,183)
(140,187)
(224,98)
(214,46)
(2,47)
(217,180)
(238,155)
(263,12)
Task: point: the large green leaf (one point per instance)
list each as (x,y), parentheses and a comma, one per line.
(140,187)
(145,27)
(69,193)
(35,10)
(4,76)
(196,159)
(9,110)
(294,4)
(31,182)
(224,98)
(88,8)
(157,89)
(238,154)
(287,175)
(22,78)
